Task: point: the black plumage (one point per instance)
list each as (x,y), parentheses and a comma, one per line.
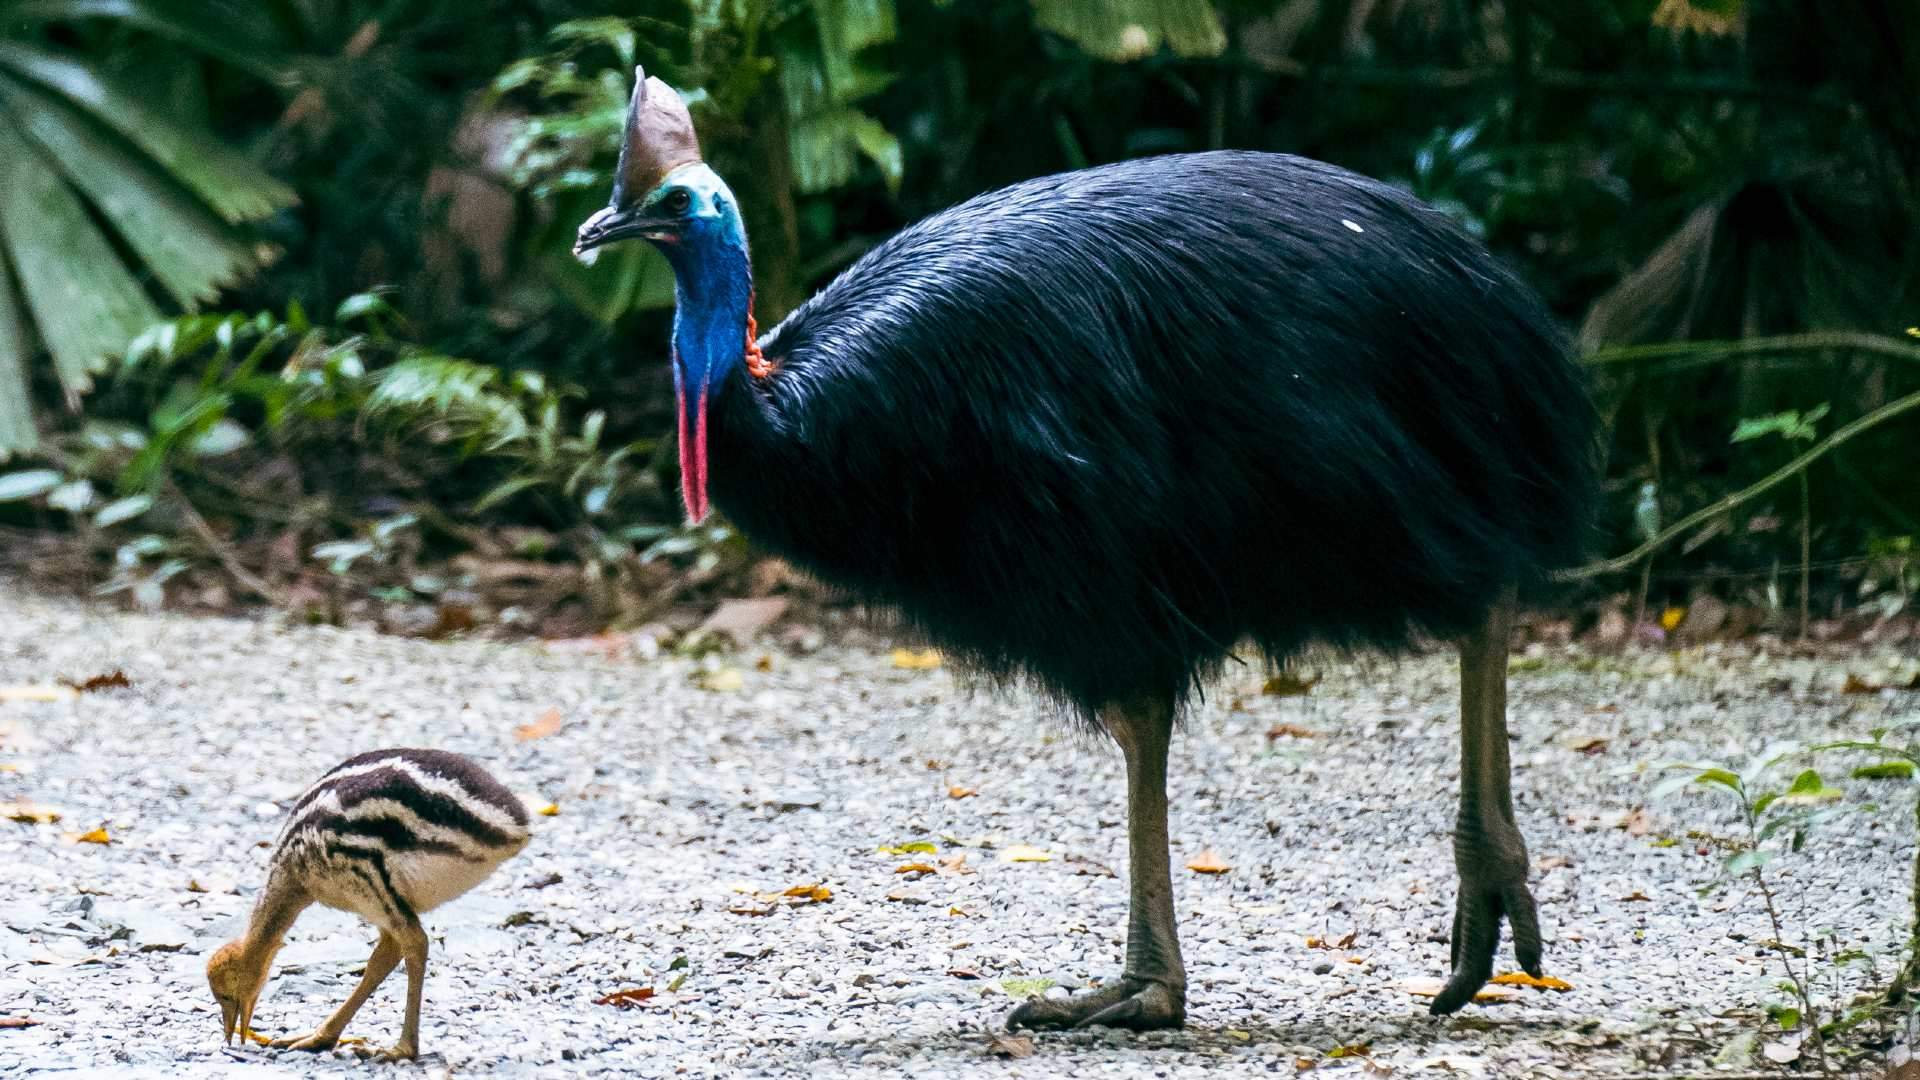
(1098,428)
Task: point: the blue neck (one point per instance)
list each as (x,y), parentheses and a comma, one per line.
(713,292)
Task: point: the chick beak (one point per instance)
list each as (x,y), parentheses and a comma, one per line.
(246,1020)
(229,1016)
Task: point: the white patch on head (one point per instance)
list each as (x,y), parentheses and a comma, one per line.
(1354,225)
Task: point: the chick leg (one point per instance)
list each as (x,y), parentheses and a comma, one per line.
(1152,992)
(1488,851)
(411,940)
(386,954)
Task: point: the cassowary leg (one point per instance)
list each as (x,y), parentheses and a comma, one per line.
(1152,992)
(1487,848)
(385,956)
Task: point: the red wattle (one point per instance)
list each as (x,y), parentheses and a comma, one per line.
(693,452)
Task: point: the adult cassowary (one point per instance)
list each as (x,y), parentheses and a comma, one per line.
(1095,429)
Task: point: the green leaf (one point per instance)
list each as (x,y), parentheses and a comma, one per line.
(183,243)
(17,431)
(1786,1016)
(123,510)
(29,484)
(912,847)
(232,32)
(823,146)
(1743,862)
(846,27)
(84,302)
(225,179)
(1125,30)
(1885,770)
(1807,783)
(1721,778)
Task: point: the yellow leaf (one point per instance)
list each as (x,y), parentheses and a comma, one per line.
(96,836)
(550,810)
(1354,1050)
(914,868)
(1671,618)
(548,724)
(724,681)
(924,660)
(1430,987)
(812,894)
(911,847)
(1236,1033)
(1025,853)
(37,693)
(1208,861)
(958,792)
(28,813)
(1521,978)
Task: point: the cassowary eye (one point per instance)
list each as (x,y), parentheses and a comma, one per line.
(676,201)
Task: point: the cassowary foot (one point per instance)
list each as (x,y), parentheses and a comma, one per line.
(1476,937)
(316,1041)
(1131,1003)
(402,1051)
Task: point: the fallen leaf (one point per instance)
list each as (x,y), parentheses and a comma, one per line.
(1025,853)
(549,810)
(1301,1064)
(812,894)
(1671,618)
(113,680)
(37,693)
(545,881)
(1910,1068)
(1344,942)
(1636,895)
(1289,684)
(1430,987)
(964,973)
(1352,1050)
(958,792)
(93,836)
(1012,1046)
(902,896)
(1781,1052)
(911,847)
(1521,978)
(724,681)
(959,912)
(914,868)
(1208,861)
(1635,821)
(1085,867)
(1236,1033)
(28,813)
(1371,1067)
(1289,731)
(1589,747)
(17,1022)
(678,981)
(626,999)
(924,660)
(954,866)
(548,724)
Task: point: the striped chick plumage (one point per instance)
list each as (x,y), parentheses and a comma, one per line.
(386,835)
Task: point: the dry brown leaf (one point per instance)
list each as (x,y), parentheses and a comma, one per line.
(810,894)
(1011,1046)
(958,792)
(1636,895)
(1521,978)
(630,998)
(28,813)
(1289,684)
(1431,987)
(113,680)
(964,973)
(1025,853)
(1209,861)
(37,693)
(17,1022)
(94,836)
(765,663)
(1351,1050)
(1635,821)
(954,866)
(1590,747)
(923,660)
(1345,941)
(548,724)
(1085,867)
(1289,731)
(1301,1064)
(914,868)
(1906,1070)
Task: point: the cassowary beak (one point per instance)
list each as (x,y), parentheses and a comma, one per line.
(612,223)
(230,1018)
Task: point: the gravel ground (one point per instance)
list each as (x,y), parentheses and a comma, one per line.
(682,793)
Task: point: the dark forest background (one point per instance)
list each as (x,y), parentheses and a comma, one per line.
(287,311)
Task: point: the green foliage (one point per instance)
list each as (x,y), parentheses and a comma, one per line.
(106,198)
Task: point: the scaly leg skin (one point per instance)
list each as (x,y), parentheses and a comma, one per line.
(386,953)
(1153,991)
(1488,851)
(412,943)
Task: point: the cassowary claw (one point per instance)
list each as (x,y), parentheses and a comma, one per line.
(1476,937)
(1133,1004)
